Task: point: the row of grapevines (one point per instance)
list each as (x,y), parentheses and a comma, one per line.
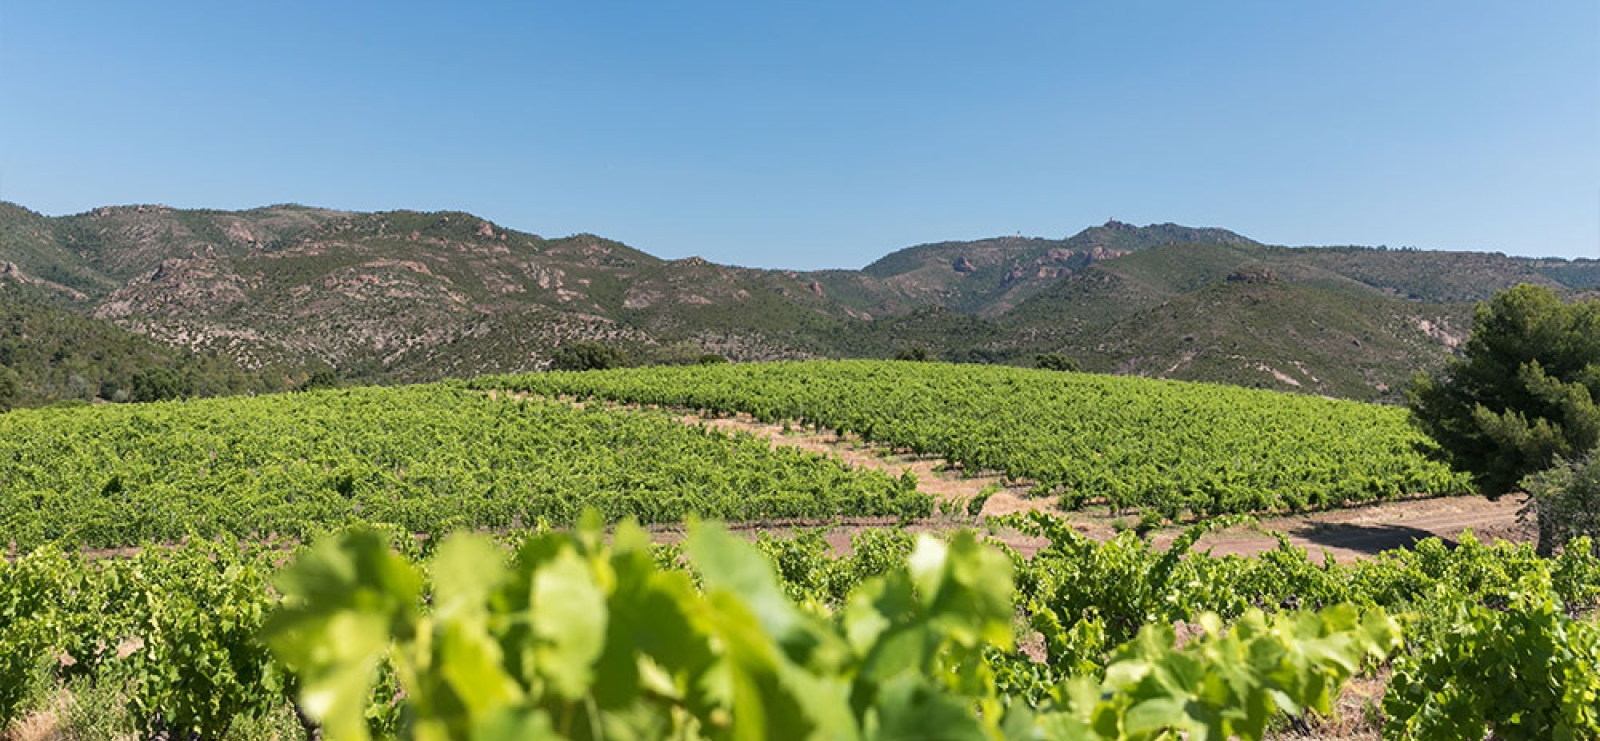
(551,637)
(425,458)
(1132,442)
(577,640)
(1497,639)
(174,633)
(1484,623)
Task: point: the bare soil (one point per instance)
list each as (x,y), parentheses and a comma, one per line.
(43,725)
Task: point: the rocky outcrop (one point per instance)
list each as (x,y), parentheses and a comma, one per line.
(1253,275)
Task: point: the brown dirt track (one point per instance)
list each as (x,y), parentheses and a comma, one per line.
(1346,534)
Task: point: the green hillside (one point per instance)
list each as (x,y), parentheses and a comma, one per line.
(1287,319)
(49,354)
(33,252)
(990,276)
(1278,336)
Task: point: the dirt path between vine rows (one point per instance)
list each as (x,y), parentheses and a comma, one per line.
(1347,534)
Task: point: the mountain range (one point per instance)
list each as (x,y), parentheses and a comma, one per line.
(284,291)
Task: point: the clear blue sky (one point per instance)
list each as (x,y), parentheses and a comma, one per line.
(821,134)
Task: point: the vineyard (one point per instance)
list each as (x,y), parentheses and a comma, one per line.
(1130,442)
(427,459)
(282,591)
(435,458)
(581,635)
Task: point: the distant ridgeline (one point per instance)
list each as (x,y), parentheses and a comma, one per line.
(228,301)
